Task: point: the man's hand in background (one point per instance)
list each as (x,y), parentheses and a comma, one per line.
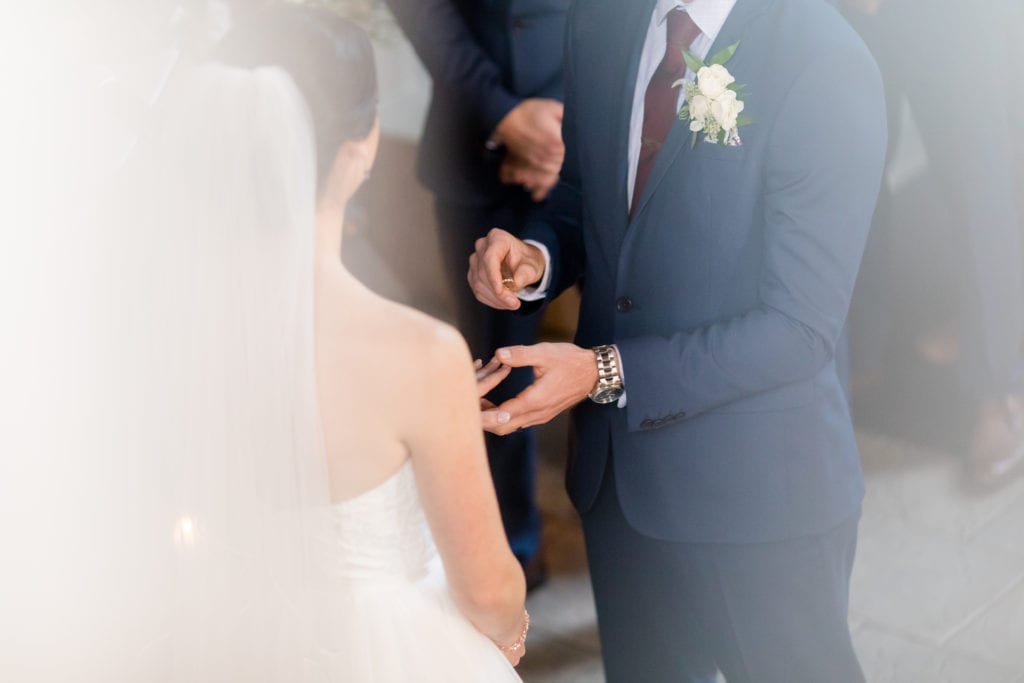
(539,183)
(532,134)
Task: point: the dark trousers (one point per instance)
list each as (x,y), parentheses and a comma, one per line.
(760,613)
(512,457)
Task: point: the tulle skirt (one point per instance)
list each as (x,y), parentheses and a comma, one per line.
(390,630)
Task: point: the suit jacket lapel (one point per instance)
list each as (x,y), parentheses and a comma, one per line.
(615,30)
(679,137)
(635,34)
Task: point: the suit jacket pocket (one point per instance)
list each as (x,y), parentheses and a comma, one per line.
(784,398)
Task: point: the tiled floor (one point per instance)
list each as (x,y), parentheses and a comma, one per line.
(938,588)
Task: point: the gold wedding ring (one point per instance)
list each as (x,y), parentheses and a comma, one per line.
(508,281)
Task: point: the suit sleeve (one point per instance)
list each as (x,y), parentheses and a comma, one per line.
(822,177)
(454,58)
(557,224)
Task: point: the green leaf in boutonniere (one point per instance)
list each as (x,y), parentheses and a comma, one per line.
(693,62)
(725,54)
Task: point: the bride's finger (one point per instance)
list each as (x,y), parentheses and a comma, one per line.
(492,380)
(483,371)
(491,366)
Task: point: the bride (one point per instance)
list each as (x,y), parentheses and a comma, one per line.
(294,484)
(427,587)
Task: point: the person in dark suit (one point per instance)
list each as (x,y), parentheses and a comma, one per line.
(972,187)
(491,150)
(716,469)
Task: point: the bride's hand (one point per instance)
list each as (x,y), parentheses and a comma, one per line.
(515,657)
(487,377)
(517,649)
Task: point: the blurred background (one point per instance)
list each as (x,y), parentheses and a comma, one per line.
(934,338)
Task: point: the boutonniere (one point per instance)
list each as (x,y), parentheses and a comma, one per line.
(713,105)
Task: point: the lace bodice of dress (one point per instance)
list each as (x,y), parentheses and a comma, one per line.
(383,533)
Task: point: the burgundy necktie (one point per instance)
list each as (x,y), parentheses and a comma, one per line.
(661,98)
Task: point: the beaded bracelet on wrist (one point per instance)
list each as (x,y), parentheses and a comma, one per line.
(521,640)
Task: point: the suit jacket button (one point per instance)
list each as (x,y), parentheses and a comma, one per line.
(624,304)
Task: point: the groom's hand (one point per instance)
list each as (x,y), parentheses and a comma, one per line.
(498,256)
(564,374)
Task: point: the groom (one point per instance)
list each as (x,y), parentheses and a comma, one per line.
(715,467)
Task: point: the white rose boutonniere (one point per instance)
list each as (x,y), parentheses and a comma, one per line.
(713,105)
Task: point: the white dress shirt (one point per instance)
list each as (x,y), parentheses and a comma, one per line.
(710,16)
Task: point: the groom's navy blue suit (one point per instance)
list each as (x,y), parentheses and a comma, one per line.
(721,503)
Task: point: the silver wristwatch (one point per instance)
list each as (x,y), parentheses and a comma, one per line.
(609,380)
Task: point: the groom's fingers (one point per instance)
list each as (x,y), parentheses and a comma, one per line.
(525,275)
(495,420)
(522,270)
(517,422)
(508,417)
(525,410)
(498,250)
(523,356)
(485,271)
(480,284)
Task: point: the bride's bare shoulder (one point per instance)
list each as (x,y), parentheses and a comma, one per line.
(427,338)
(414,339)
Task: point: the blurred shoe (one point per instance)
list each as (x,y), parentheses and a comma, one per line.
(536,573)
(997,453)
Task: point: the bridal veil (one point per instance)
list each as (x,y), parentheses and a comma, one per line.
(168,489)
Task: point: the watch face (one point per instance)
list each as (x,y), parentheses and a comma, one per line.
(607,395)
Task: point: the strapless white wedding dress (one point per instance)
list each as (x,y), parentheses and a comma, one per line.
(391,616)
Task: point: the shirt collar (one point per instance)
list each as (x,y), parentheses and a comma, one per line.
(709,15)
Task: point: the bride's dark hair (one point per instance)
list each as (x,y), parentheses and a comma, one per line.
(329,58)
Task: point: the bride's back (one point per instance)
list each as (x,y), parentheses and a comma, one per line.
(371,379)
